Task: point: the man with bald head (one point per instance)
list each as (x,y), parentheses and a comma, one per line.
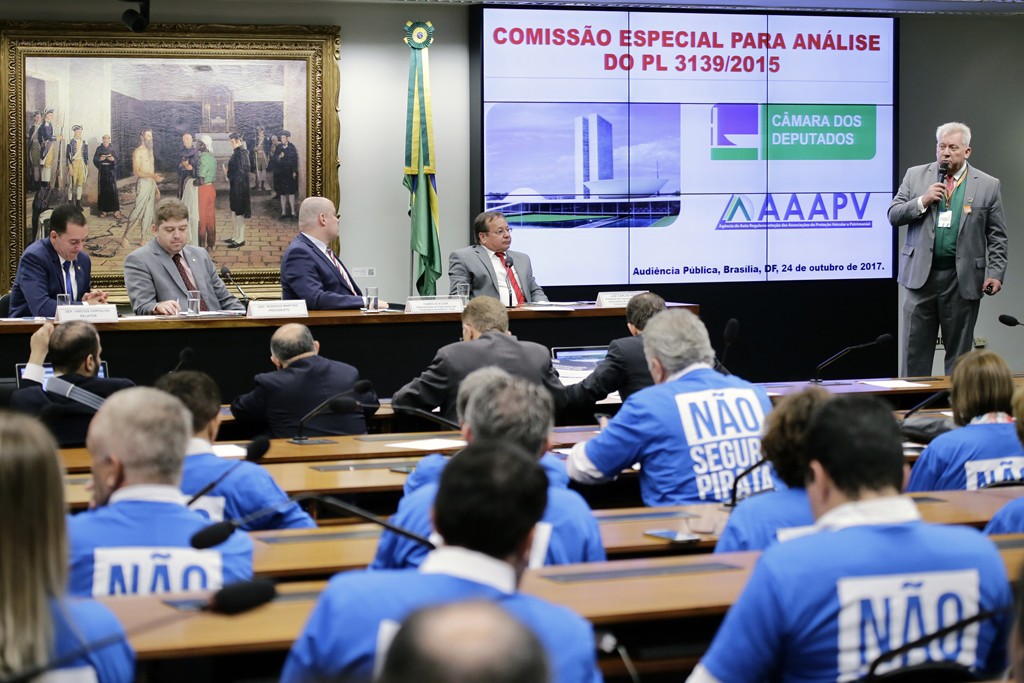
(311,270)
(136,539)
(303,379)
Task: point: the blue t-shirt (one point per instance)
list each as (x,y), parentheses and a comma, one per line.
(144,547)
(82,624)
(339,641)
(248,489)
(824,606)
(575,535)
(755,521)
(970,458)
(691,436)
(1009,519)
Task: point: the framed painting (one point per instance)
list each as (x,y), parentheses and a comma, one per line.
(240,122)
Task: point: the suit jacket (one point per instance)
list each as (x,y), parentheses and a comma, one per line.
(68,420)
(981,239)
(473,265)
(307,273)
(624,369)
(438,385)
(40,279)
(282,397)
(150,277)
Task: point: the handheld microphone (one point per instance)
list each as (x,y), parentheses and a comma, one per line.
(225,272)
(882,340)
(943,171)
(736,483)
(330,404)
(254,452)
(425,414)
(235,598)
(217,533)
(1009,320)
(185,357)
(732,330)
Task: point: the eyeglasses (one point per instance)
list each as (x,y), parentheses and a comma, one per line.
(500,233)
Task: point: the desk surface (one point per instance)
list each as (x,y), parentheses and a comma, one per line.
(658,591)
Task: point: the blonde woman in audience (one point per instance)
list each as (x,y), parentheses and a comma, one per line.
(985,450)
(40,626)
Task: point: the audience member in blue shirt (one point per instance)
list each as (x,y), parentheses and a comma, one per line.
(754,522)
(248,488)
(137,538)
(868,577)
(40,625)
(985,450)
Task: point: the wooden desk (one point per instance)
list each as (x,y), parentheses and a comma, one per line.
(388,348)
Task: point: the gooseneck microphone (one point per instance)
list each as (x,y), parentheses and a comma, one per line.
(1009,320)
(235,598)
(254,452)
(943,171)
(225,273)
(739,477)
(426,415)
(332,404)
(509,263)
(729,335)
(185,357)
(217,533)
(924,404)
(882,340)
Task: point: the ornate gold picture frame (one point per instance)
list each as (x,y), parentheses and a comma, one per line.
(207,81)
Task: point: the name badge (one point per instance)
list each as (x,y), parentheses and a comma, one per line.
(96,313)
(290,308)
(945,219)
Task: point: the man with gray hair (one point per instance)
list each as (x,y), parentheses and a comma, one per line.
(302,381)
(136,539)
(502,409)
(693,432)
(955,250)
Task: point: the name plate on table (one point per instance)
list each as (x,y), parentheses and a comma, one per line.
(616,299)
(292,308)
(434,304)
(98,313)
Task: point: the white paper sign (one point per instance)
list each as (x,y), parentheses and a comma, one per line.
(98,313)
(616,299)
(415,304)
(292,308)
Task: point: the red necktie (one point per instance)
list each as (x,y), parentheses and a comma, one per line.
(950,186)
(189,285)
(344,276)
(520,299)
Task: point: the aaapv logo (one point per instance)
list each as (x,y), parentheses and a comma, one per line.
(795,211)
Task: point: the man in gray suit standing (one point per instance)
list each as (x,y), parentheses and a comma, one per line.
(159,275)
(490,268)
(955,250)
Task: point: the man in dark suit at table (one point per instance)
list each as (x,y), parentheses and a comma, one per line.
(55,265)
(490,268)
(303,380)
(73,348)
(486,341)
(624,369)
(159,275)
(311,270)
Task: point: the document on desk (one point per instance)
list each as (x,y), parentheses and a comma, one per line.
(546,307)
(229,450)
(429,444)
(893,383)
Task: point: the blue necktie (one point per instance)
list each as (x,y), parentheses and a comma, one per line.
(67,280)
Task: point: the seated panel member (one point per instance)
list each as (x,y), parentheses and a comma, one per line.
(754,523)
(484,266)
(486,341)
(505,410)
(867,578)
(311,270)
(39,623)
(249,488)
(159,275)
(55,265)
(692,433)
(137,537)
(624,369)
(73,348)
(302,381)
(985,450)
(490,498)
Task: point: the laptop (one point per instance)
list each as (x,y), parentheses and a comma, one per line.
(19,371)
